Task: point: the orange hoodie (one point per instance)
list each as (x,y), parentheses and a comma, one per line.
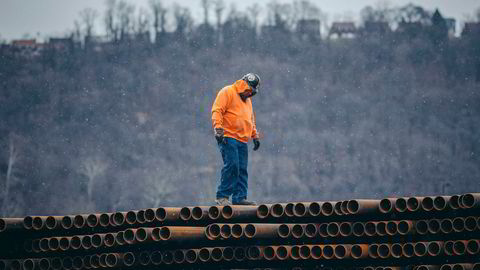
(232,114)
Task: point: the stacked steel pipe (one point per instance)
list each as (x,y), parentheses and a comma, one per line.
(415,233)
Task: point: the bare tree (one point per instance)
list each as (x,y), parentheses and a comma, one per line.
(109,19)
(253,12)
(143,19)
(206,8)
(92,167)
(88,17)
(219,8)
(159,15)
(183,19)
(125,13)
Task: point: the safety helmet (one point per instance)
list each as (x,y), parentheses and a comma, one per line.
(253,80)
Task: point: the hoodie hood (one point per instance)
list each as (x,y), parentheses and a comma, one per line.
(241,86)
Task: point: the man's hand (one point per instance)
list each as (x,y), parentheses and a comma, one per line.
(256,144)
(219,135)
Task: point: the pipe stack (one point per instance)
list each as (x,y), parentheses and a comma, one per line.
(414,233)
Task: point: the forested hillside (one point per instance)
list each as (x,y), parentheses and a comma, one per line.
(126,123)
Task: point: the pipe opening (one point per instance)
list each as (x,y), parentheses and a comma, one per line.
(353,206)
(333,229)
(434,226)
(214,230)
(269,253)
(225,231)
(473,247)
(344,208)
(216,254)
(53,243)
(145,258)
(129,235)
(454,202)
(311,230)
(185,213)
(277,210)
(165,233)
(43,264)
(204,254)
(56,263)
(283,231)
(327,209)
(305,252)
(458,266)
(197,213)
(381,228)
(213,212)
(95,261)
(167,257)
(92,220)
(345,229)
(295,252)
(299,209)
(434,248)
(191,256)
(358,229)
(328,252)
(427,204)
(448,246)
(27,222)
(78,221)
(468,200)
(109,239)
(262,211)
(111,260)
(37,223)
(227,212)
(141,235)
(322,229)
(459,247)
(340,251)
(421,226)
(104,220)
(289,209)
(237,231)
(282,253)
(372,251)
(67,263)
(149,215)
(179,256)
(75,242)
(239,253)
(458,224)
(156,234)
(357,251)
(396,250)
(403,227)
(50,223)
(44,244)
(420,249)
(446,267)
(141,216)
(64,243)
(96,240)
(439,203)
(314,209)
(386,206)
(337,208)
(131,217)
(370,228)
(446,225)
(413,204)
(28,264)
(298,231)
(67,222)
(78,263)
(401,205)
(316,252)
(250,231)
(86,242)
(228,253)
(119,239)
(161,214)
(383,251)
(470,224)
(392,227)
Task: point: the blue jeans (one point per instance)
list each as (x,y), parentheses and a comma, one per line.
(234,179)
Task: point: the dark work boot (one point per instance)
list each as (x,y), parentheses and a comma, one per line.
(245,202)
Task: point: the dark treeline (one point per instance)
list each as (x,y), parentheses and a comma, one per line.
(125,123)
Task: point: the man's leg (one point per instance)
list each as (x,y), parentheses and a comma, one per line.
(241,187)
(230,172)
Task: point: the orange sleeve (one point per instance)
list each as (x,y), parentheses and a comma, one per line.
(254,129)
(219,108)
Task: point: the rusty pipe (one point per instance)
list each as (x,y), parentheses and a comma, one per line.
(54,243)
(119,239)
(284,230)
(226,231)
(396,250)
(263,211)
(56,263)
(129,259)
(186,213)
(414,203)
(420,249)
(67,263)
(408,250)
(470,200)
(440,203)
(11,224)
(337,208)
(269,253)
(458,224)
(421,226)
(104,220)
(381,228)
(363,207)
(167,214)
(316,252)
(64,243)
(140,216)
(191,255)
(239,253)
(358,229)
(435,248)
(38,223)
(405,227)
(86,262)
(179,256)
(144,235)
(328,251)
(86,242)
(433,226)
(342,251)
(305,252)
(77,263)
(114,260)
(182,234)
(401,205)
(473,247)
(149,215)
(43,264)
(462,266)
(213,231)
(327,209)
(214,212)
(103,260)
(446,225)
(238,230)
(129,236)
(95,261)
(427,204)
(75,242)
(53,222)
(298,230)
(295,253)
(200,212)
(131,217)
(333,229)
(109,239)
(146,258)
(322,229)
(370,228)
(119,218)
(93,220)
(315,209)
(454,202)
(386,205)
(392,227)
(97,240)
(470,224)
(311,230)
(44,244)
(359,251)
(300,209)
(239,212)
(289,209)
(28,222)
(384,251)
(204,254)
(448,247)
(345,229)
(79,221)
(344,208)
(261,231)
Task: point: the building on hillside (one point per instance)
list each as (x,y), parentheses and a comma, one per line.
(471,29)
(61,44)
(343,29)
(308,29)
(28,48)
(95,43)
(376,28)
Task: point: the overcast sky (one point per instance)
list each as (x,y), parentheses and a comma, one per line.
(43,18)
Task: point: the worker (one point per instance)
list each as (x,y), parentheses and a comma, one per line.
(234,125)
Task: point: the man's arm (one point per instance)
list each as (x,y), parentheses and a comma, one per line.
(218,110)
(255,136)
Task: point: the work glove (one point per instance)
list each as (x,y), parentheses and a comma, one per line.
(256,144)
(219,135)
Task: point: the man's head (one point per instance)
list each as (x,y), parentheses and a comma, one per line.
(253,80)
